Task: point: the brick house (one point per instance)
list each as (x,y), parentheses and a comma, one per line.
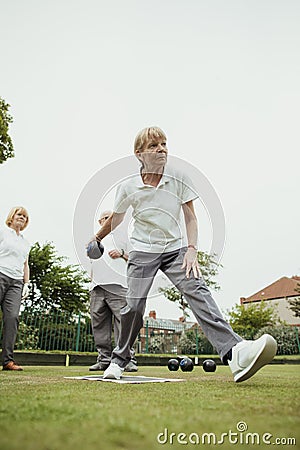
(169,330)
(279,293)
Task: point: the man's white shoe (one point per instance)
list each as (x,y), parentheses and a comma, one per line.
(249,356)
(131,367)
(113,372)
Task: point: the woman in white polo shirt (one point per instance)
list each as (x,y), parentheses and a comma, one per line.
(157,196)
(14,280)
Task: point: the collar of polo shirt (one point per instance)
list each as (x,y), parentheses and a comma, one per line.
(167,174)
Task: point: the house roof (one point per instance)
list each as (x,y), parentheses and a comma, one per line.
(167,324)
(284,287)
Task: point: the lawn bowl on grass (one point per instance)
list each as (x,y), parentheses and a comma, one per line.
(209,365)
(173,364)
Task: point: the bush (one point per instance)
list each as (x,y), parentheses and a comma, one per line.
(286,337)
(187,343)
(156,345)
(27,338)
(204,346)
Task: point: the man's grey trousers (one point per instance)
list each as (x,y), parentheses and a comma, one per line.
(141,270)
(106,302)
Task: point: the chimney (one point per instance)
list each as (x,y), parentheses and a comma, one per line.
(152,314)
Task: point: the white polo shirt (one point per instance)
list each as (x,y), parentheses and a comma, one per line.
(14,250)
(157,211)
(107,270)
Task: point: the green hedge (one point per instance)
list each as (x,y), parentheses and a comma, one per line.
(287,338)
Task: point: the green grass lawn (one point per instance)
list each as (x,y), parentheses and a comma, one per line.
(40,410)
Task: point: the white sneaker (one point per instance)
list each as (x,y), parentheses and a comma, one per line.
(249,356)
(131,367)
(113,372)
(98,366)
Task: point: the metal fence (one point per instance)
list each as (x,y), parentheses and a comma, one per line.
(59,330)
(54,330)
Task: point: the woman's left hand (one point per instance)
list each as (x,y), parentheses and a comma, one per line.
(190,262)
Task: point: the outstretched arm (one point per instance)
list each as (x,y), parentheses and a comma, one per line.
(109,225)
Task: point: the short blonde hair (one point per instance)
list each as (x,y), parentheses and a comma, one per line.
(146,135)
(15,210)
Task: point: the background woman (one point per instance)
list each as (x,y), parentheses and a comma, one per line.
(14,280)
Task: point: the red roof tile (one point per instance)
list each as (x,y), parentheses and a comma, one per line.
(284,287)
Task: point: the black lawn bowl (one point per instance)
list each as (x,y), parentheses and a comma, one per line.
(186,365)
(173,364)
(209,365)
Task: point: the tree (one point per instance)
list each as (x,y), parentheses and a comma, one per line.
(295,303)
(6,145)
(187,344)
(55,285)
(209,269)
(247,320)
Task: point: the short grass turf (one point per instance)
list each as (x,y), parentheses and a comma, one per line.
(41,410)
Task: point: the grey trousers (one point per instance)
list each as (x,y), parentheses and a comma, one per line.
(141,270)
(10,301)
(106,302)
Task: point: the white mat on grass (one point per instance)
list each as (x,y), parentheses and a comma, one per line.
(126,379)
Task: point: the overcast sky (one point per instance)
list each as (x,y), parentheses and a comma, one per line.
(220,78)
